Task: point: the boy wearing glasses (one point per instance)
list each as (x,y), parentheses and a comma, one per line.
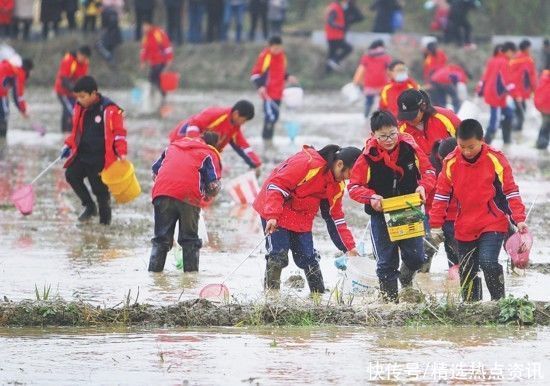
(391,165)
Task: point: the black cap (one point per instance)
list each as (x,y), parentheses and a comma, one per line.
(409,103)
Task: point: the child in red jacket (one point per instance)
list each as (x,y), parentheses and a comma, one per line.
(399,82)
(524,76)
(186,175)
(14,78)
(391,165)
(157,51)
(97,140)
(480,179)
(542,103)
(289,201)
(372,73)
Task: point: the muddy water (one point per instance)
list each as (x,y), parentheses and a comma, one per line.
(279,356)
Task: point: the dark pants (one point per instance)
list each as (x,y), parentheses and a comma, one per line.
(236,13)
(173,23)
(26,23)
(482,253)
(141,16)
(369,102)
(439,95)
(75,174)
(4,114)
(46,28)
(338,50)
(196,13)
(215,20)
(300,243)
(387,252)
(67,105)
(89,23)
(258,12)
(495,121)
(450,244)
(71,20)
(544,133)
(154,76)
(271,116)
(459,30)
(168,212)
(520,114)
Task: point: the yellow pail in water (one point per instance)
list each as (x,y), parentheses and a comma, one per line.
(404,216)
(121,180)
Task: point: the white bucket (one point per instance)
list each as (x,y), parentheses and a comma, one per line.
(360,274)
(293,97)
(244,189)
(351,92)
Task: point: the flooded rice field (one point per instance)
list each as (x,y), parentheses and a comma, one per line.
(48,252)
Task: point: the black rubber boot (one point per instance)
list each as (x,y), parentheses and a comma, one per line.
(191,259)
(494,278)
(544,135)
(507,130)
(388,290)
(314,278)
(3,129)
(273,268)
(429,252)
(406,276)
(90,210)
(158,258)
(104,206)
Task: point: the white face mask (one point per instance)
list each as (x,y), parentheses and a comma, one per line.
(401,76)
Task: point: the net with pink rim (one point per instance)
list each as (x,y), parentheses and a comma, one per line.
(23,199)
(518,246)
(214,291)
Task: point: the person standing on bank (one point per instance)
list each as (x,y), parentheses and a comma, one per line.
(289,201)
(98,139)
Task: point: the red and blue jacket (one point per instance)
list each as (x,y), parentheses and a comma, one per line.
(335,21)
(542,93)
(375,63)
(485,190)
(115,132)
(524,75)
(14,78)
(218,120)
(156,47)
(449,74)
(296,190)
(185,169)
(390,174)
(496,81)
(432,63)
(68,73)
(270,70)
(390,93)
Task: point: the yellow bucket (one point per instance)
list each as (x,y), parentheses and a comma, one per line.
(404,216)
(121,180)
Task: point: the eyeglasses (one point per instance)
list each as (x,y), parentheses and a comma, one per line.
(388,137)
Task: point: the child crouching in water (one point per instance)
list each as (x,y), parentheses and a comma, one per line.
(186,175)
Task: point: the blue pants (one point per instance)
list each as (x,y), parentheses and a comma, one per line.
(300,243)
(235,12)
(271,116)
(369,102)
(196,13)
(387,252)
(67,104)
(450,244)
(481,253)
(495,122)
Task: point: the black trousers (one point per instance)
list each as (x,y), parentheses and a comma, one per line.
(338,50)
(154,76)
(173,24)
(520,114)
(168,212)
(258,12)
(89,23)
(75,175)
(141,15)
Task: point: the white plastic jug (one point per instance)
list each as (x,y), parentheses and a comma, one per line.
(351,92)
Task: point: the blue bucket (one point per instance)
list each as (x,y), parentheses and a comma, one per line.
(292,129)
(136,96)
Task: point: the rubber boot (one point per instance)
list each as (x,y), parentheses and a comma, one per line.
(507,130)
(89,211)
(3,129)
(388,290)
(406,276)
(429,252)
(104,206)
(158,258)
(314,278)
(544,135)
(273,268)
(472,290)
(190,259)
(494,278)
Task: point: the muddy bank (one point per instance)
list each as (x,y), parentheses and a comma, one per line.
(280,313)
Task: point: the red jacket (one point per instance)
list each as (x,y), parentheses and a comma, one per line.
(115,132)
(218,120)
(335,29)
(185,169)
(390,93)
(496,81)
(367,172)
(524,75)
(69,71)
(270,71)
(441,125)
(449,74)
(433,63)
(13,77)
(296,190)
(6,11)
(542,93)
(156,47)
(485,191)
(375,63)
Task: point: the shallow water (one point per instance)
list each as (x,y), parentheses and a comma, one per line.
(276,356)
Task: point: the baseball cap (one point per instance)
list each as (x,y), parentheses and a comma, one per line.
(409,103)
